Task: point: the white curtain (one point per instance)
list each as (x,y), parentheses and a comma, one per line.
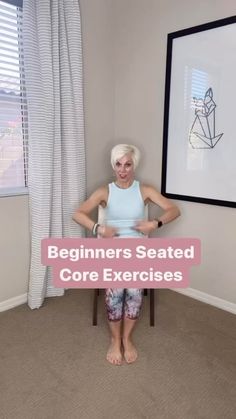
(53,67)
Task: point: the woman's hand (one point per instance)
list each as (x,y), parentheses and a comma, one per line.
(146,227)
(107,232)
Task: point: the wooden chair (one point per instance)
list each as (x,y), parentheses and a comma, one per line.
(96,291)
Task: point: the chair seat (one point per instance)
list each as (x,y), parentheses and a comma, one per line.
(152,306)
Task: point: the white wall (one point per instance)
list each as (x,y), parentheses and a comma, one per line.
(14,247)
(141,28)
(124,46)
(97,30)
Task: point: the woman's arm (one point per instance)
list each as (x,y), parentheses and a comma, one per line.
(170,210)
(82,215)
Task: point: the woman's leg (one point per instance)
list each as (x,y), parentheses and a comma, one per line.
(133,303)
(114,305)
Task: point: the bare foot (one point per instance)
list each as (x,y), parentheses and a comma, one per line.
(114,355)
(130,352)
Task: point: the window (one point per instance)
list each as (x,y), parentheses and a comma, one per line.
(13,106)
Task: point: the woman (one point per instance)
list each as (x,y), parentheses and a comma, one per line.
(124,201)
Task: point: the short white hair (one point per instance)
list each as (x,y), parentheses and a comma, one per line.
(120,150)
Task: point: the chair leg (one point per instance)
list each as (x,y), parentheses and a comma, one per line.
(95,306)
(152,307)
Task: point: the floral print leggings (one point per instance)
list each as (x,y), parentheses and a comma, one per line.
(121,302)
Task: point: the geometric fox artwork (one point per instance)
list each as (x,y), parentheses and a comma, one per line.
(202,133)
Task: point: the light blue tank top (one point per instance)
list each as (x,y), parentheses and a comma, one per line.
(124,208)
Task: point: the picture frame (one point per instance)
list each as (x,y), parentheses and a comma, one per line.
(199,134)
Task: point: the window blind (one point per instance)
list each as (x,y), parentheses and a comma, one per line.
(13,104)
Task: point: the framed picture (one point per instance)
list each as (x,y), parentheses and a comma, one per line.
(199,139)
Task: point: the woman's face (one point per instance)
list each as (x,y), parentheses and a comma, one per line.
(124,169)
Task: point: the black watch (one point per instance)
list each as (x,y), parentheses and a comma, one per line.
(160,224)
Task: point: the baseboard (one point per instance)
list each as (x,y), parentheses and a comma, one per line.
(189,292)
(208,299)
(13,302)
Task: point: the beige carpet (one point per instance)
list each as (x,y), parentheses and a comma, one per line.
(52,362)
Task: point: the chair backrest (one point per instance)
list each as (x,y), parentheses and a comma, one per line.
(101,215)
